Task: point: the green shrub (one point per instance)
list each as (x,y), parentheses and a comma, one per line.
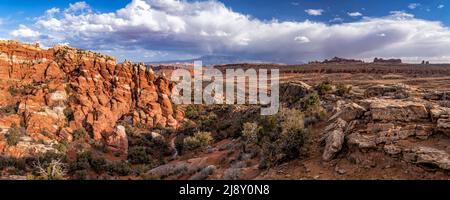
(82,161)
(68,89)
(9,109)
(138,155)
(324,87)
(192,112)
(342,90)
(283,137)
(80,133)
(199,140)
(21,90)
(250,131)
(13,135)
(69,113)
(119,168)
(98,163)
(54,170)
(311,101)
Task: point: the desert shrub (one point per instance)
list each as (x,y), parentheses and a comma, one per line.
(86,161)
(69,113)
(342,90)
(81,161)
(204,173)
(80,133)
(119,168)
(60,147)
(282,137)
(192,112)
(13,135)
(9,109)
(138,155)
(198,140)
(21,90)
(311,102)
(324,87)
(250,130)
(54,170)
(80,175)
(98,163)
(207,121)
(232,174)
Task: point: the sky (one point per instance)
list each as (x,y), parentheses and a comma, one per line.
(283,31)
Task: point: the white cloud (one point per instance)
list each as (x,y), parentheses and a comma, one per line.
(401,15)
(182,29)
(314,12)
(302,39)
(441,6)
(336,20)
(295,3)
(78,6)
(413,6)
(24,32)
(354,14)
(52,11)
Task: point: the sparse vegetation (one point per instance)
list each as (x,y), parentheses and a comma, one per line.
(69,113)
(282,137)
(80,133)
(9,109)
(138,155)
(342,90)
(324,87)
(21,90)
(198,140)
(13,135)
(55,170)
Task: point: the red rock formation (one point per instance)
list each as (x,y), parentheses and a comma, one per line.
(46,84)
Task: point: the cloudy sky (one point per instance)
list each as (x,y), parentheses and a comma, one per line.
(285,31)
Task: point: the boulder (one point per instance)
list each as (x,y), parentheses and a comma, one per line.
(292,92)
(333,144)
(397,91)
(334,139)
(389,110)
(118,140)
(349,112)
(428,156)
(361,141)
(443,125)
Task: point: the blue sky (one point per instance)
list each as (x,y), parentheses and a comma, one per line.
(280,31)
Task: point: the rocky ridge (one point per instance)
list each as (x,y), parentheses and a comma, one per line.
(62,93)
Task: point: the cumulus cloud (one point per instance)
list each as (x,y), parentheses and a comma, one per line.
(441,6)
(52,11)
(148,29)
(314,12)
(354,14)
(24,32)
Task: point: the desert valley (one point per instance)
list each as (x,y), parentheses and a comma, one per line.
(67,113)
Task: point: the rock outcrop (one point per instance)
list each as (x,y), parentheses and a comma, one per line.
(62,89)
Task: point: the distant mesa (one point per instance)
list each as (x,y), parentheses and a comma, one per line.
(337,60)
(387,61)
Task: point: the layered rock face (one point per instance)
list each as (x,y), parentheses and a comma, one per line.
(394,120)
(53,93)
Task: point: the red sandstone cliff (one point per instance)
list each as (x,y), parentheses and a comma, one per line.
(56,92)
